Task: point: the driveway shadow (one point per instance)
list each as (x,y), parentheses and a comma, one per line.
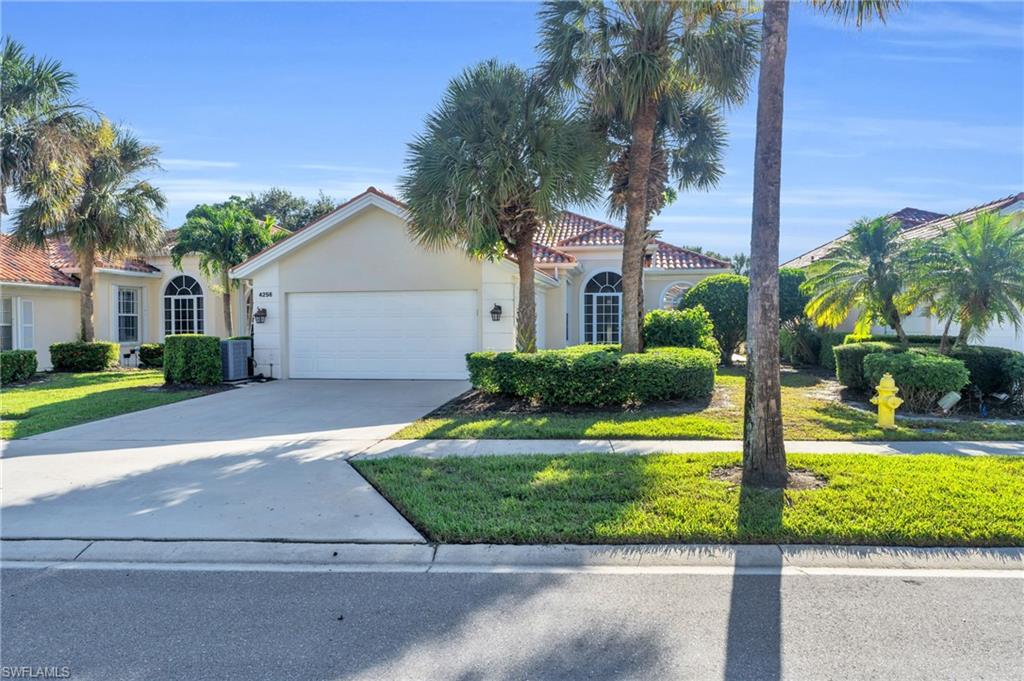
(754,635)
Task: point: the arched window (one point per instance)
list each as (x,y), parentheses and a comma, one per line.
(602,308)
(674,294)
(183,306)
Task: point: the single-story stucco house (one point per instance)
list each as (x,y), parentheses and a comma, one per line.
(922,224)
(135,300)
(353,296)
(350,295)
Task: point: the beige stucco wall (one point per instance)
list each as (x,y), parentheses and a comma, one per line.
(56,317)
(372,251)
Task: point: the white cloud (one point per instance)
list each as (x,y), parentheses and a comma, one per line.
(195,164)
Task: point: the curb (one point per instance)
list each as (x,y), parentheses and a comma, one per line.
(492,557)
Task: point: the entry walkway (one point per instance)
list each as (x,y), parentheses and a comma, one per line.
(442,448)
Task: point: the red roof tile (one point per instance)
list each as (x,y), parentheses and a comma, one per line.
(62,257)
(568,226)
(29,265)
(669,257)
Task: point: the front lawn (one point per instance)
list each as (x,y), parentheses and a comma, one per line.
(811,411)
(927,500)
(58,400)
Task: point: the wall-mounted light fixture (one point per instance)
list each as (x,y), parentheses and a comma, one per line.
(261,315)
(496,313)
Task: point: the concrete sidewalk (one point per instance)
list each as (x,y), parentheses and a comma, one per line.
(442,448)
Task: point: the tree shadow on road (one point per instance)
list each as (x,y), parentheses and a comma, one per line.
(754,635)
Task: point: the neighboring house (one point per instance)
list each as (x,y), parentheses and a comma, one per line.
(351,295)
(135,301)
(919,224)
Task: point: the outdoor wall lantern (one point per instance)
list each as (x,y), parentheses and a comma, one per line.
(261,315)
(496,312)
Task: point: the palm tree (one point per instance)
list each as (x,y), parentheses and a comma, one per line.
(764,454)
(223,236)
(112,213)
(632,60)
(499,159)
(864,273)
(973,275)
(39,120)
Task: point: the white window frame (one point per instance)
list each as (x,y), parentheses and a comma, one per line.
(199,307)
(686,285)
(26,324)
(583,307)
(139,319)
(11,321)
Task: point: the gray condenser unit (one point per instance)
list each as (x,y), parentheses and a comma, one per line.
(234,359)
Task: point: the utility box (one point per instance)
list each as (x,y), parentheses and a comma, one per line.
(234,359)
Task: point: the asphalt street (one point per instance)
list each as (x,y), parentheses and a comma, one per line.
(170,624)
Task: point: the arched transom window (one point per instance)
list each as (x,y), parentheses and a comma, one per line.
(602,308)
(674,295)
(183,306)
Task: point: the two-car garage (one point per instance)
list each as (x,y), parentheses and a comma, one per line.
(392,334)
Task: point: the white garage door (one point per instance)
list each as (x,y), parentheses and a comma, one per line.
(402,334)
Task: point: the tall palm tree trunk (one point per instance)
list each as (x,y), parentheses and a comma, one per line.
(640,148)
(944,341)
(86,265)
(226,297)
(526,312)
(764,454)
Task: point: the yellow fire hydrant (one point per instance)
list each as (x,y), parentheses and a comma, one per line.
(887,401)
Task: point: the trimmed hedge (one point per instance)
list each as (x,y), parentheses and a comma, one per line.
(986,367)
(826,356)
(82,356)
(689,328)
(151,355)
(595,375)
(192,359)
(724,296)
(913,339)
(1013,367)
(922,377)
(849,359)
(17,365)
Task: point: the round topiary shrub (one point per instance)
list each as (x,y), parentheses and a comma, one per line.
(922,377)
(724,296)
(849,362)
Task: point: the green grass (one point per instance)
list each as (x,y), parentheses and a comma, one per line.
(927,500)
(60,400)
(806,416)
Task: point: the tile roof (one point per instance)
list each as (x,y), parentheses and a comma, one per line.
(934,228)
(547,255)
(62,257)
(568,226)
(908,218)
(669,257)
(29,265)
(605,235)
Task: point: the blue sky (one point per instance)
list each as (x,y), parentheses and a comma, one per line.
(927,111)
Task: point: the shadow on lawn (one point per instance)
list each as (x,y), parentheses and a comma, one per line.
(754,637)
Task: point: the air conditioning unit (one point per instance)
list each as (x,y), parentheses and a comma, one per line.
(234,359)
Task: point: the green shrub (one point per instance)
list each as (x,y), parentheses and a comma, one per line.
(800,343)
(689,328)
(724,296)
(986,367)
(911,338)
(1013,367)
(17,365)
(192,359)
(595,375)
(81,356)
(151,355)
(850,362)
(828,340)
(922,377)
(792,300)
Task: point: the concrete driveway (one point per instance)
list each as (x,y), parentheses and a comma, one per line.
(263,461)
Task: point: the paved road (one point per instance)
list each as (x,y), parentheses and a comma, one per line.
(134,624)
